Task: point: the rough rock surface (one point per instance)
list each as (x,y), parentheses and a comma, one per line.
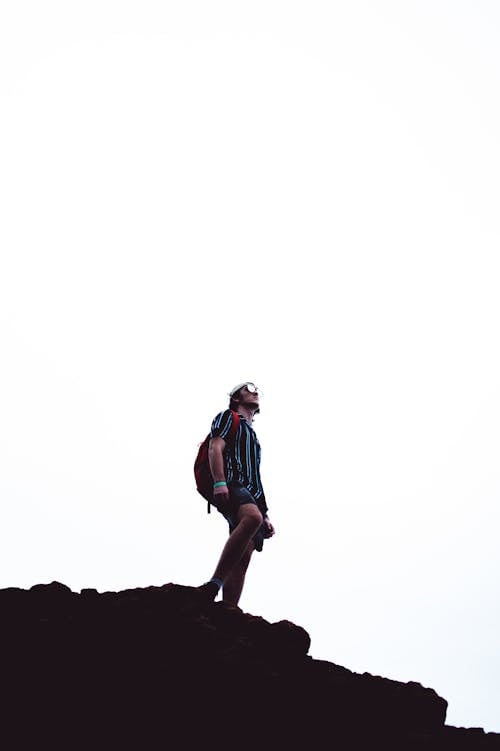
(160,668)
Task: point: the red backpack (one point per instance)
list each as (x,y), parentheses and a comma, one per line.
(202,475)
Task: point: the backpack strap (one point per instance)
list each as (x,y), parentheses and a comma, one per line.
(232,435)
(234,424)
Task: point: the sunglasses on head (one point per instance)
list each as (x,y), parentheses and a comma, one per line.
(249,386)
(252,388)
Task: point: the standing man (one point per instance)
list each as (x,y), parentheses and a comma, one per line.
(237,493)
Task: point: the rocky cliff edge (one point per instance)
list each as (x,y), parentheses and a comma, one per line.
(159,667)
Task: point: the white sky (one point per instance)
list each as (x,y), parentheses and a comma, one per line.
(304,194)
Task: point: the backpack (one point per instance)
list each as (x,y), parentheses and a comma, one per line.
(202,475)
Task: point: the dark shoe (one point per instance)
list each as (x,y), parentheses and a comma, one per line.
(210,590)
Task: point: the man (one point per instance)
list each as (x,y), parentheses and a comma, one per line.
(237,493)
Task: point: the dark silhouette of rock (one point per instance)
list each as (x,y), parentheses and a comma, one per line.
(161,668)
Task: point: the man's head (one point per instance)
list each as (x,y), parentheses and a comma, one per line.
(245,394)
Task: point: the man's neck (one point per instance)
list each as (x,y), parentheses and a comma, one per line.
(247,413)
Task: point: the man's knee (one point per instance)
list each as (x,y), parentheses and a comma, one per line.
(250,516)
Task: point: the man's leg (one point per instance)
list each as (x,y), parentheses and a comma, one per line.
(249,520)
(233,585)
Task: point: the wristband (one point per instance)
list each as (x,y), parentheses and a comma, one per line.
(219,484)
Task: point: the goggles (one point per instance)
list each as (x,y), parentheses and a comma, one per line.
(250,387)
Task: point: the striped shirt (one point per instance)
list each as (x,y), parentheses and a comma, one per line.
(241,456)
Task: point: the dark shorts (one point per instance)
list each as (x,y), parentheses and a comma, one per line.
(239,496)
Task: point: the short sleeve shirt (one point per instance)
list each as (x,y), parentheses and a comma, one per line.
(241,455)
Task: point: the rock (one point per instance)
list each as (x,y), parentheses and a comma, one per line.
(159,667)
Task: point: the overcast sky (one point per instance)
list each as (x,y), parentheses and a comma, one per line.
(303,194)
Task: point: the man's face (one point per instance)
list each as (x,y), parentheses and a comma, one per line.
(248,397)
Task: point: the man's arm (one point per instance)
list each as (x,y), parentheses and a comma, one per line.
(216,461)
(215,458)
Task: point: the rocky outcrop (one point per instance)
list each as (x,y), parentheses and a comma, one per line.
(161,668)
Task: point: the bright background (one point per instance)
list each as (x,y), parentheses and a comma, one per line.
(304,194)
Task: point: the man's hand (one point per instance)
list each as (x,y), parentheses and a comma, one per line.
(268,528)
(221,497)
